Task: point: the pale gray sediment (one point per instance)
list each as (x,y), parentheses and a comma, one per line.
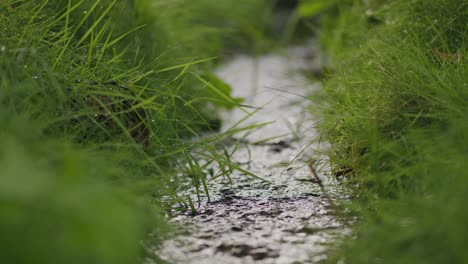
(289,219)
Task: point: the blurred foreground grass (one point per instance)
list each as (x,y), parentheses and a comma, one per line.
(395,111)
(96,98)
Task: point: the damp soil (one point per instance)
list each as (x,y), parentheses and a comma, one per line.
(289,217)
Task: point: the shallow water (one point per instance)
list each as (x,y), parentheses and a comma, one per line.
(290,218)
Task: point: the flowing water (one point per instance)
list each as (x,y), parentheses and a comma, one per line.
(290,218)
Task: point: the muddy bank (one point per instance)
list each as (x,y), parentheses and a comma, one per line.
(289,217)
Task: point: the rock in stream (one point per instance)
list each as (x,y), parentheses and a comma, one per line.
(289,219)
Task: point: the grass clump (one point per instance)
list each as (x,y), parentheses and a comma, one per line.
(96,101)
(395,113)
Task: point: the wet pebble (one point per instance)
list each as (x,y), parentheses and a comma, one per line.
(236,228)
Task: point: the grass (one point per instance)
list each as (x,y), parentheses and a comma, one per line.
(97,100)
(395,113)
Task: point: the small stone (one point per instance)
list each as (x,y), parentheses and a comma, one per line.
(237,228)
(259,253)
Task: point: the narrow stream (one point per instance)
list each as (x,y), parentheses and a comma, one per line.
(290,219)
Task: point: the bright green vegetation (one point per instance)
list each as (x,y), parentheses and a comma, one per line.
(97,99)
(395,109)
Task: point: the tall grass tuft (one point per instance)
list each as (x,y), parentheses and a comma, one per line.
(395,114)
(97,101)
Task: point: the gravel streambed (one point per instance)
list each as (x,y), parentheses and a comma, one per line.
(290,218)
